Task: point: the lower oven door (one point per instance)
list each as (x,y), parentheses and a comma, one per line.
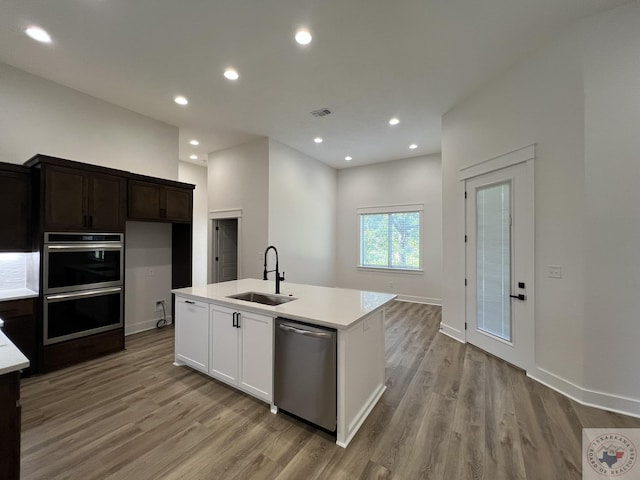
(78,314)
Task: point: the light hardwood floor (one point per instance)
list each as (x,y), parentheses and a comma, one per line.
(450,412)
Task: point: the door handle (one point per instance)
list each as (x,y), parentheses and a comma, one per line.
(519,296)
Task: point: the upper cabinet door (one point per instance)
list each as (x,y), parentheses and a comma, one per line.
(106,202)
(64,199)
(144,200)
(154,201)
(15,215)
(178,204)
(75,199)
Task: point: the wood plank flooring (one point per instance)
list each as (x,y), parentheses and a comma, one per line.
(450,412)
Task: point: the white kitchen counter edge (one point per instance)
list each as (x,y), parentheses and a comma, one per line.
(17,294)
(217,293)
(11,358)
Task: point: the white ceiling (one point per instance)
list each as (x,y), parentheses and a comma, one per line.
(369,60)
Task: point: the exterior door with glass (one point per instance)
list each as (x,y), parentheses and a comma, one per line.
(499,249)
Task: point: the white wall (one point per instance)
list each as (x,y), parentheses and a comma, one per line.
(147,274)
(302,215)
(409,181)
(238,179)
(577,99)
(612,203)
(39,116)
(197,175)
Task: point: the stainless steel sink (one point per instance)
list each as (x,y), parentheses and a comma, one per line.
(264,298)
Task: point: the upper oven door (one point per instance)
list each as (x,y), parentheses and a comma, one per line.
(82,266)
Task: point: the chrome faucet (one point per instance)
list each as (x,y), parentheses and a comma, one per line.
(279,278)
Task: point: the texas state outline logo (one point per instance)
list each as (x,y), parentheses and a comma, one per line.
(609,453)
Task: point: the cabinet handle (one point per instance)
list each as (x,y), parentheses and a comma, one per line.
(190,302)
(91,220)
(238,320)
(233,319)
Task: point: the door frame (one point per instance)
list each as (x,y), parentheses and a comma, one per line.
(214,216)
(526,156)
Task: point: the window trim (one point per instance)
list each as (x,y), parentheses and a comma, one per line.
(390,209)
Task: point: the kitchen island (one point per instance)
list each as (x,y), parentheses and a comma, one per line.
(209,339)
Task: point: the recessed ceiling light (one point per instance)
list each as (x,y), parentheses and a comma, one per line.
(348,158)
(180,100)
(317,140)
(394,121)
(194,142)
(38,34)
(413,146)
(231,74)
(303,37)
(193,157)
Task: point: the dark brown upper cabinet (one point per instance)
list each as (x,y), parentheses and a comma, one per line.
(85,200)
(80,197)
(15,208)
(160,201)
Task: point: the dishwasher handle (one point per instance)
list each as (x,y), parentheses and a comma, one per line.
(300,331)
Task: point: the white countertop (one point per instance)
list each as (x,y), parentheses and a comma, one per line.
(17,294)
(337,308)
(11,358)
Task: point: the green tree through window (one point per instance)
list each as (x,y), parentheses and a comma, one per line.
(390,240)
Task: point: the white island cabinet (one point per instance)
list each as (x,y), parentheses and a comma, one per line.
(192,334)
(242,350)
(240,340)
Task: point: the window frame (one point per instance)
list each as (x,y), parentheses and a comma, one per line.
(387,210)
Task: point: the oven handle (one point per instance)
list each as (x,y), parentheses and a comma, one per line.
(86,293)
(93,246)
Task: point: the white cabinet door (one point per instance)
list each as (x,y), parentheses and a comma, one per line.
(224,344)
(192,333)
(256,355)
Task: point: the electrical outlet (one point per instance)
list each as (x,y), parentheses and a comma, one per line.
(159,304)
(554,271)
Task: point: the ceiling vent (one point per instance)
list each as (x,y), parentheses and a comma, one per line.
(323,112)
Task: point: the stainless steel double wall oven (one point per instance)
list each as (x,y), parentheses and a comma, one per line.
(83,280)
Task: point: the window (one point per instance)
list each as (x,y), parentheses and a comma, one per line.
(391,237)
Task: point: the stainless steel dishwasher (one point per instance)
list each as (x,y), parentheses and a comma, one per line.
(305,372)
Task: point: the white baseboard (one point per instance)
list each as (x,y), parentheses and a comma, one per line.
(130,329)
(452,332)
(425,300)
(585,396)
